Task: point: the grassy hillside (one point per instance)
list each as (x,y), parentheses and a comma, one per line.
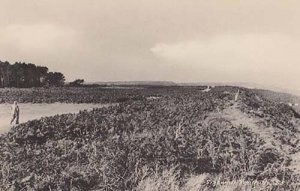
(278,96)
(281,97)
(170,139)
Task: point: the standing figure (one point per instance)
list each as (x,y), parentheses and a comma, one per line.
(237,96)
(15,111)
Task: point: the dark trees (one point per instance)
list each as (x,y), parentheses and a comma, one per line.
(22,75)
(76,83)
(55,79)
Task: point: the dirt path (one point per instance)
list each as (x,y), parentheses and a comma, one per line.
(295,164)
(237,118)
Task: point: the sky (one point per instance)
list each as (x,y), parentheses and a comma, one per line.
(249,41)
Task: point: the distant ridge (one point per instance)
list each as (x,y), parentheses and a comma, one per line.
(137,83)
(171,83)
(245,85)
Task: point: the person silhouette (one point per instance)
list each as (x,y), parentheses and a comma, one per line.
(16,112)
(236,97)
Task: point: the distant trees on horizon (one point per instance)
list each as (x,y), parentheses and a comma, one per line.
(76,83)
(22,75)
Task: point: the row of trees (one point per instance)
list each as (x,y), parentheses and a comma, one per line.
(22,75)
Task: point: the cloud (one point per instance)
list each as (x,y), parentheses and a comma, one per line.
(36,38)
(40,44)
(270,55)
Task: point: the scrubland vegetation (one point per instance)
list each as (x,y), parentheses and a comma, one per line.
(67,95)
(171,138)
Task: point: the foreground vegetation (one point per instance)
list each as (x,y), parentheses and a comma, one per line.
(175,138)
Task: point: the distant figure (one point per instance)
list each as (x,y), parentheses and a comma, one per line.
(15,111)
(237,96)
(207,89)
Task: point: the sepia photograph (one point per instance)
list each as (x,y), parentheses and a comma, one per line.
(149,95)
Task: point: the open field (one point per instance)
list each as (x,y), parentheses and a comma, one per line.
(82,94)
(163,138)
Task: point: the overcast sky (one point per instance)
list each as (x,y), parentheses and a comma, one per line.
(256,41)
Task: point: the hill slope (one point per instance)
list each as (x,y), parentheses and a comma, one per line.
(181,140)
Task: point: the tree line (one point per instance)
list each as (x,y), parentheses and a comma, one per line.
(22,75)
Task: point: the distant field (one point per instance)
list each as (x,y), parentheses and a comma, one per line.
(87,94)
